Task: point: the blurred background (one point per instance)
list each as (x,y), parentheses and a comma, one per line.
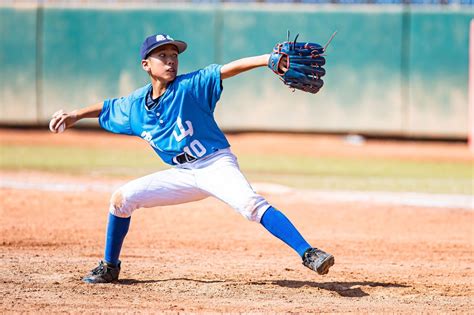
(357,167)
(396,67)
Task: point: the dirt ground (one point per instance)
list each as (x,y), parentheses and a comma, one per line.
(203,257)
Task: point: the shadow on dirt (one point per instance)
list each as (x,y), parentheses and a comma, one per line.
(346,289)
(135,281)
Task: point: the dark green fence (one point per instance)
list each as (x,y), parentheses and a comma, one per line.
(391,70)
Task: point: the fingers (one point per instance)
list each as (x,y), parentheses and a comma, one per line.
(54,125)
(58,113)
(57,121)
(283,64)
(61,122)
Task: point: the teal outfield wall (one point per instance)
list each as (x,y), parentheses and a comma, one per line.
(391,69)
(18,65)
(438,72)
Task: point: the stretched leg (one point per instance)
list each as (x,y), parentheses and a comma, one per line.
(224,180)
(163,188)
(280,226)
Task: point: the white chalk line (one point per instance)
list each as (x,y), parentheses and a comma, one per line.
(447,201)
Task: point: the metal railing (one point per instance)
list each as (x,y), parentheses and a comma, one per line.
(341,2)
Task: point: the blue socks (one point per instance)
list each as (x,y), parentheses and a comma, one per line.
(117,228)
(273,220)
(279,225)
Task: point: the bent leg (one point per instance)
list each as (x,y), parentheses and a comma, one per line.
(117,229)
(164,188)
(159,189)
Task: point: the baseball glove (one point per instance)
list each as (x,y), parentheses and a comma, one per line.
(299,65)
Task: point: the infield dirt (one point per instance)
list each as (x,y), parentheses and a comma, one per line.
(204,257)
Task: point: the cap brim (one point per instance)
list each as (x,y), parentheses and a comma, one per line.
(180,45)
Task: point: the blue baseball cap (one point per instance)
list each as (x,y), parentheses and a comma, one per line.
(157,40)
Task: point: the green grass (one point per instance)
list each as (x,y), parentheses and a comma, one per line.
(79,160)
(374,174)
(313,173)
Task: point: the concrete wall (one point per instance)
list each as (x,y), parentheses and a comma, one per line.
(391,69)
(18,66)
(438,72)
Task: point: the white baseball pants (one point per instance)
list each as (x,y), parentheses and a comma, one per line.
(216,175)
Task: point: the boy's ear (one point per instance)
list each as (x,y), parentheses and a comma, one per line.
(145,65)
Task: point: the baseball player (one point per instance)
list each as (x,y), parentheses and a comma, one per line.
(174,114)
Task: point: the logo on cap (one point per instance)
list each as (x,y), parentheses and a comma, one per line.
(160,37)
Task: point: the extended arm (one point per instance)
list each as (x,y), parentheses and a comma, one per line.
(244,64)
(69,119)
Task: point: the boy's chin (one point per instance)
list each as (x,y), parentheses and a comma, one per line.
(169,76)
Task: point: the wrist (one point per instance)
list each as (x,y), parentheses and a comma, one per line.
(75,115)
(264,59)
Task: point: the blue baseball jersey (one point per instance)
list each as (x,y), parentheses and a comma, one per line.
(182,121)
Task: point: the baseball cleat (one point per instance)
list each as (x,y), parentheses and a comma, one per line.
(104,273)
(318,260)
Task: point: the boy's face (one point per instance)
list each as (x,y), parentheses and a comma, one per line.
(162,63)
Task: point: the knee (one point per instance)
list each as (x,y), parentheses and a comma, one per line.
(119,205)
(254,208)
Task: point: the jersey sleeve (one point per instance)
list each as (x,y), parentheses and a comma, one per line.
(115,115)
(207,85)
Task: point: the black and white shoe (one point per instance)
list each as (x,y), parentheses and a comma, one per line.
(318,260)
(104,273)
